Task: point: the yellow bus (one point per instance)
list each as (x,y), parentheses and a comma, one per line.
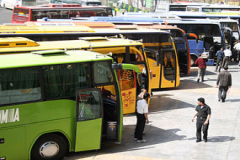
(160,48)
(122,51)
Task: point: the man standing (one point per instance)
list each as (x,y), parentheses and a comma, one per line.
(203,113)
(225,80)
(201,62)
(220,56)
(142,118)
(227,55)
(237,52)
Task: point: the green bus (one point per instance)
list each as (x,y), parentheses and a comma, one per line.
(54,102)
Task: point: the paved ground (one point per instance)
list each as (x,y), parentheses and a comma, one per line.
(171,135)
(5,15)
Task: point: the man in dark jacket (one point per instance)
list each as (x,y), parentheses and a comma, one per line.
(203,113)
(220,56)
(225,80)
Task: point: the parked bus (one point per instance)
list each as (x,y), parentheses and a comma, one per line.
(64,11)
(210,34)
(180,38)
(51,104)
(143,21)
(224,21)
(122,50)
(175,7)
(213,8)
(158,44)
(13,3)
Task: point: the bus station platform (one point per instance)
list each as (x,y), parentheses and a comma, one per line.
(171,135)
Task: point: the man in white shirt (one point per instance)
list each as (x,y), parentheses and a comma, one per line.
(237,46)
(237,51)
(227,54)
(142,118)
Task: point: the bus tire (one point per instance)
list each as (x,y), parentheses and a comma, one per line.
(50,146)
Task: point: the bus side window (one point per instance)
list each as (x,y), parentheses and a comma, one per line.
(62,80)
(89,105)
(19,85)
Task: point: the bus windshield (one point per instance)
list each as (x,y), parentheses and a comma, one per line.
(232,25)
(177,7)
(202,30)
(219,9)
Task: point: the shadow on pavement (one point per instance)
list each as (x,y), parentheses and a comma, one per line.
(153,135)
(232,100)
(221,139)
(216,138)
(164,102)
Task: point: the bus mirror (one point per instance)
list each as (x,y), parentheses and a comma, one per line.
(226,29)
(139,78)
(192,35)
(116,66)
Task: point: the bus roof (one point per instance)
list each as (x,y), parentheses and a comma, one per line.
(220,6)
(57,8)
(124,19)
(101,25)
(30,60)
(43,29)
(35,30)
(190,22)
(73,44)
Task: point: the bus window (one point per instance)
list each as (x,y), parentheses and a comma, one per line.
(20,15)
(169,65)
(89,105)
(151,53)
(102,72)
(62,80)
(19,85)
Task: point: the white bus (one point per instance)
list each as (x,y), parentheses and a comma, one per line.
(12,3)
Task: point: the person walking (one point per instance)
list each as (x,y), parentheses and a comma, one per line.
(227,55)
(224,83)
(142,118)
(201,62)
(220,56)
(203,113)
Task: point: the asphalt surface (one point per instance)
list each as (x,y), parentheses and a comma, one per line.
(5,15)
(172,135)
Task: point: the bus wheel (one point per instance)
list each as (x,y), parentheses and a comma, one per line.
(51,146)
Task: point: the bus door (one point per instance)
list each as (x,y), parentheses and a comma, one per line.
(127,81)
(169,68)
(208,45)
(153,61)
(182,52)
(89,111)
